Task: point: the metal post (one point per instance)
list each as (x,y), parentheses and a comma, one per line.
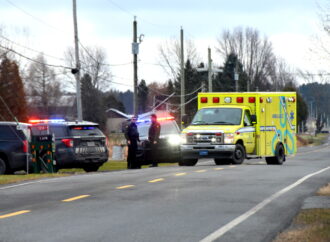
(135,76)
(210,71)
(182,78)
(77,74)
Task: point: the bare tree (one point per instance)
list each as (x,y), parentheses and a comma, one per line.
(43,87)
(254,52)
(170,58)
(93,63)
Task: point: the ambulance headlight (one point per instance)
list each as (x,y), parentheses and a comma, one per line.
(229,138)
(174,139)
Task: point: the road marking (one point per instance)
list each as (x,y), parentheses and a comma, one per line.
(156,180)
(231,166)
(222,230)
(200,171)
(124,187)
(218,169)
(181,174)
(75,198)
(14,214)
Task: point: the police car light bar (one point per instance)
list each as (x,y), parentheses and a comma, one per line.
(38,121)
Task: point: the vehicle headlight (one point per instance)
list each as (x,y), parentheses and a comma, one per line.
(229,138)
(174,139)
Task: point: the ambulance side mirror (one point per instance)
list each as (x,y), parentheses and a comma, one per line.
(253,119)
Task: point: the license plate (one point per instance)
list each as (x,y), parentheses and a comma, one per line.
(203,152)
(91,143)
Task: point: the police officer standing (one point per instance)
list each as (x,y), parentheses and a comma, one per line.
(154,132)
(132,137)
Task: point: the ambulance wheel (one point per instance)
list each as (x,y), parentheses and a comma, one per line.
(239,155)
(2,167)
(279,157)
(219,162)
(188,162)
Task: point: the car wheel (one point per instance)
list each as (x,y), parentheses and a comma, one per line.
(2,167)
(188,162)
(279,157)
(222,161)
(239,155)
(91,168)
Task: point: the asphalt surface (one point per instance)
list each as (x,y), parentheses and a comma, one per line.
(250,202)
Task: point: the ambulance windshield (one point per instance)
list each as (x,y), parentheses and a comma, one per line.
(218,116)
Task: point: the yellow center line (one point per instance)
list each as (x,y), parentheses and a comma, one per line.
(75,198)
(218,169)
(124,187)
(181,174)
(14,214)
(156,180)
(232,166)
(200,171)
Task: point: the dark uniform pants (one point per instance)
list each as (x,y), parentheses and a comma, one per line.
(131,157)
(154,154)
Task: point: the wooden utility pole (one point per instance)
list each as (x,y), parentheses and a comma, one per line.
(182,79)
(210,71)
(76,72)
(135,51)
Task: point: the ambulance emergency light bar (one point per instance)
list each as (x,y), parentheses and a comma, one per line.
(44,121)
(238,99)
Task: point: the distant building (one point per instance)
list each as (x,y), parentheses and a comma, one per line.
(116,120)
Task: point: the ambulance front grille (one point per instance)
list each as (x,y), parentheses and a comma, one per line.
(199,138)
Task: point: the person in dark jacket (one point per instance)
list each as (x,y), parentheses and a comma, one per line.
(154,132)
(132,137)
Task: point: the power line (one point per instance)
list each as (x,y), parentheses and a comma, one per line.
(28,48)
(33,60)
(142,19)
(32,16)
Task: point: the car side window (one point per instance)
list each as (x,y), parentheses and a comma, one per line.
(247,118)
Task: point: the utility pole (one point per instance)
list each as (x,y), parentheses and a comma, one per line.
(182,78)
(76,71)
(135,50)
(210,71)
(236,76)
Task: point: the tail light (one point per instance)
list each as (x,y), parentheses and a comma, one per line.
(216,99)
(25,146)
(252,99)
(107,142)
(68,142)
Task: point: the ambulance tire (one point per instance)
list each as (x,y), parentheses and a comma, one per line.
(188,162)
(279,157)
(239,155)
(219,162)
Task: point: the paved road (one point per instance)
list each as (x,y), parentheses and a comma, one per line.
(251,202)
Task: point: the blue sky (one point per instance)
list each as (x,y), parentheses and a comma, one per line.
(47,26)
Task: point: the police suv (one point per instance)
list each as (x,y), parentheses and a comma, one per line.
(78,144)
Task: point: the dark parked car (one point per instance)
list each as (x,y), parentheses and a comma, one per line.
(14,147)
(78,144)
(169,143)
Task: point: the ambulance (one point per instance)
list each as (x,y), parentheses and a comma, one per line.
(232,127)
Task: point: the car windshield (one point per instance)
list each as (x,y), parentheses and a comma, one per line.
(85,131)
(221,116)
(166,128)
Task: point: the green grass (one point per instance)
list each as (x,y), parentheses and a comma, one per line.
(112,166)
(6,179)
(314,140)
